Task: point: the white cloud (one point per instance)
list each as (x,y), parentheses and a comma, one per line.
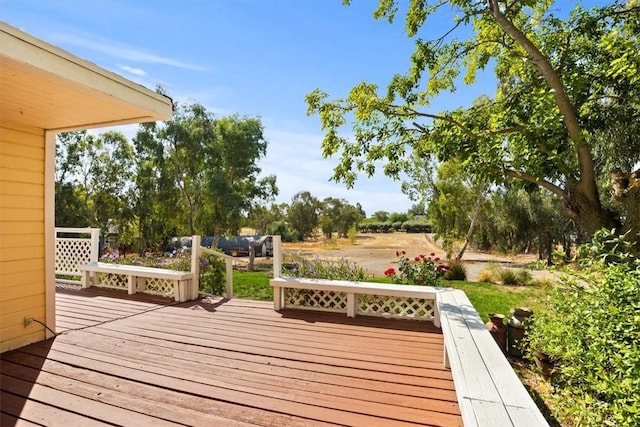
(133,70)
(121,51)
(296,159)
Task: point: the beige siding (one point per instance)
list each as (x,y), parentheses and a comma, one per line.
(22,254)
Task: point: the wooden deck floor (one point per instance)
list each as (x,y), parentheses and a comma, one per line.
(225,363)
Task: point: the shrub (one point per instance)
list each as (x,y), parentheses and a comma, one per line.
(591,330)
(523,277)
(212,272)
(487,276)
(456,271)
(422,270)
(316,268)
(508,277)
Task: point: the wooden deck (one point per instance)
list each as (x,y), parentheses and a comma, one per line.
(148,362)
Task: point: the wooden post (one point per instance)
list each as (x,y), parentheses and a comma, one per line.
(95,251)
(277,257)
(229,263)
(352,299)
(277,271)
(95,244)
(193,290)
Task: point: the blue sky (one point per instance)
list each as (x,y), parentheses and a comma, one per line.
(251,57)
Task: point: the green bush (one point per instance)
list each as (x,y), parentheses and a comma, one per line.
(592,331)
(212,272)
(342,269)
(457,271)
(508,277)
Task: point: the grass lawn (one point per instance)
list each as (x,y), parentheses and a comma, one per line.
(485,297)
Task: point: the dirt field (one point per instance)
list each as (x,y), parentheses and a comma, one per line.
(376,252)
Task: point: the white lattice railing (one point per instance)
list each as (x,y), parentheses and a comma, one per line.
(356,298)
(78,246)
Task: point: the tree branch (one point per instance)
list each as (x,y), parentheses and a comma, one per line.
(567,110)
(538,181)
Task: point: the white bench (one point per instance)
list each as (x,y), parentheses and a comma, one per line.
(134,279)
(404,301)
(489,391)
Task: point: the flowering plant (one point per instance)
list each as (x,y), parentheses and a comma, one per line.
(422,270)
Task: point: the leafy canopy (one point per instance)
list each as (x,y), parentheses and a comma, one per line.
(567,87)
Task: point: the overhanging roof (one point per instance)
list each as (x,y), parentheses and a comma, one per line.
(46,87)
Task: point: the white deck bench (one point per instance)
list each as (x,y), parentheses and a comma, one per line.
(489,391)
(135,278)
(356,298)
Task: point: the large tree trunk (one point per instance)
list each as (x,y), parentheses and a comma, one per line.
(625,188)
(582,205)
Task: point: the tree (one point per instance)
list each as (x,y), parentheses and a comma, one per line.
(303,214)
(233,186)
(567,86)
(337,215)
(70,208)
(200,173)
(92,179)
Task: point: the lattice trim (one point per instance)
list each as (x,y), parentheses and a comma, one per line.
(401,307)
(158,286)
(315,300)
(70,253)
(111,280)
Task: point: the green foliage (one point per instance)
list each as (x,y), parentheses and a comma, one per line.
(198,174)
(337,215)
(561,118)
(456,271)
(304,214)
(297,265)
(212,271)
(591,330)
(608,247)
(422,270)
(417,226)
(352,234)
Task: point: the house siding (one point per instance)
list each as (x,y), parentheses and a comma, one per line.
(22,237)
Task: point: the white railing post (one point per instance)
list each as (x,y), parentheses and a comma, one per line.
(277,272)
(95,244)
(229,274)
(195,267)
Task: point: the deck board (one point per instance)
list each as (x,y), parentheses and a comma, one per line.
(228,362)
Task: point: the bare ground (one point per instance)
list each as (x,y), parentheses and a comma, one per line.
(376,252)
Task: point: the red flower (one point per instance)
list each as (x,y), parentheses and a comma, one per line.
(422,256)
(433,254)
(404,252)
(390,272)
(436,259)
(416,259)
(397,253)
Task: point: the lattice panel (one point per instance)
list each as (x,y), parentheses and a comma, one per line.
(316,300)
(70,253)
(111,280)
(158,286)
(403,307)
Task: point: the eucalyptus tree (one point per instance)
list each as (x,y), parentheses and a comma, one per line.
(69,206)
(233,186)
(198,174)
(303,214)
(93,179)
(338,215)
(564,114)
